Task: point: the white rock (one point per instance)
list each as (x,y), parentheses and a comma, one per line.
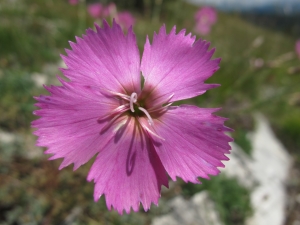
(270,168)
(265,173)
(39,79)
(239,166)
(32,150)
(62,64)
(198,210)
(268,202)
(7,138)
(53,70)
(271,160)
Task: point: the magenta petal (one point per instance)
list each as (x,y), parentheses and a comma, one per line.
(107,59)
(128,171)
(176,64)
(68,125)
(194,144)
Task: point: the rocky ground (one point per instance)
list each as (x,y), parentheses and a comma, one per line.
(266,172)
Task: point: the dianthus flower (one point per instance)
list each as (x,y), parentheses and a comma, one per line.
(138,135)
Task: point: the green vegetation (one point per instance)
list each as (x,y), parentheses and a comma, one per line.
(259,72)
(16,91)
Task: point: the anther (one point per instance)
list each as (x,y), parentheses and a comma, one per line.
(133,99)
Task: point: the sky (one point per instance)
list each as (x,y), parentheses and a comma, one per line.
(286,7)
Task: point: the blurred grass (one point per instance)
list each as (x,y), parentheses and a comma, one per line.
(33,33)
(16,91)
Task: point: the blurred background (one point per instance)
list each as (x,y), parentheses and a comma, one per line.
(259,43)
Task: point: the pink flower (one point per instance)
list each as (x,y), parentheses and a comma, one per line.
(125,19)
(95,10)
(297,48)
(73,2)
(138,136)
(205,18)
(110,10)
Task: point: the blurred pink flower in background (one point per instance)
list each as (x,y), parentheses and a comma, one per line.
(110,10)
(73,2)
(125,19)
(297,48)
(205,18)
(95,10)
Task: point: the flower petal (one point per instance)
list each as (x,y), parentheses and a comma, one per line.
(106,58)
(194,144)
(176,64)
(128,170)
(68,125)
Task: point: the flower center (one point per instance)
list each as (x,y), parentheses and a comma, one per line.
(130,105)
(133,100)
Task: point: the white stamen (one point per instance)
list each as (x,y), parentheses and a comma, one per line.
(110,123)
(133,99)
(152,132)
(171,96)
(148,115)
(160,109)
(126,97)
(118,110)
